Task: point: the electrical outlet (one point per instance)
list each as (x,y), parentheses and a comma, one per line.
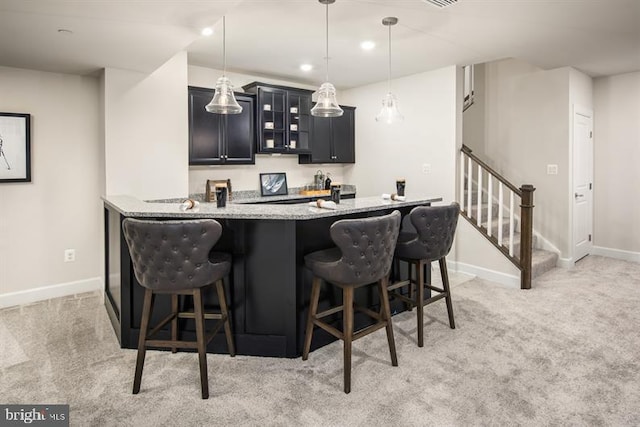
(426,168)
(69,255)
(552,169)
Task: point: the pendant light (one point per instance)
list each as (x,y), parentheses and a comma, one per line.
(224,101)
(327,105)
(389,113)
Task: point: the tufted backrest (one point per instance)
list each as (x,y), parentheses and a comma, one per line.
(172,255)
(436,228)
(367,247)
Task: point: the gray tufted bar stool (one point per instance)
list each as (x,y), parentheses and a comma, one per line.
(174,257)
(435,227)
(362,256)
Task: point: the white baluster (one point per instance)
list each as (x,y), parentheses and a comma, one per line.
(461,181)
(490,207)
(511,224)
(469,187)
(500,213)
(479,211)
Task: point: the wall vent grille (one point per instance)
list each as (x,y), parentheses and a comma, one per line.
(441,3)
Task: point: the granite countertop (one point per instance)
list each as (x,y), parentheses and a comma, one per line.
(133,207)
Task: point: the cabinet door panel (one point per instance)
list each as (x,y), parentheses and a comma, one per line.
(205,130)
(343,133)
(321,146)
(239,132)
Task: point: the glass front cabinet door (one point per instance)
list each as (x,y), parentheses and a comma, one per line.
(283,118)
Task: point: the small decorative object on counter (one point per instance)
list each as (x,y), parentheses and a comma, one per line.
(400,184)
(394,197)
(221,195)
(189,204)
(210,195)
(318,180)
(324,204)
(327,182)
(335,193)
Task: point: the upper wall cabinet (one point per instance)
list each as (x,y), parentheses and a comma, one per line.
(333,139)
(218,139)
(283,118)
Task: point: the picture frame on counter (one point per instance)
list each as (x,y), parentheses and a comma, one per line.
(273,184)
(15,147)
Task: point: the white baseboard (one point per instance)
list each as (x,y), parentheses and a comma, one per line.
(47,292)
(565,263)
(616,253)
(483,273)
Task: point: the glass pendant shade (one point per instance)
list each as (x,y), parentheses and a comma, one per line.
(327,105)
(224,101)
(389,113)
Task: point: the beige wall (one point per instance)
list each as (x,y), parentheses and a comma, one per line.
(245,177)
(473,123)
(617,156)
(426,136)
(146,131)
(61,208)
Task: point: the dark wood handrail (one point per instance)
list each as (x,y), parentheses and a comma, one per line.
(469,152)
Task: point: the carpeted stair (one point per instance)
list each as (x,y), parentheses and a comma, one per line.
(541,260)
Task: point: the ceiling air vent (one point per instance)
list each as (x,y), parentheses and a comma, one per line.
(441,3)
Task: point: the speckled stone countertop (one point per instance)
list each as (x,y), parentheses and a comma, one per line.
(133,207)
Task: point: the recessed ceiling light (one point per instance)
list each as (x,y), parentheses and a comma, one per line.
(306,67)
(367,45)
(207,31)
(65,31)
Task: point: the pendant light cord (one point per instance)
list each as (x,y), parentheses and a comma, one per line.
(389,79)
(327,40)
(224,46)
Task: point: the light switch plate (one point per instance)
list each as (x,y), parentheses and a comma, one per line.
(552,169)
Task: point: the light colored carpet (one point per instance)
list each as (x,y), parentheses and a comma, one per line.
(564,353)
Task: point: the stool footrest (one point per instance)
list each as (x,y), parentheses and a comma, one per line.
(369,329)
(333,331)
(329,312)
(402,298)
(399,284)
(159,326)
(434,299)
(170,343)
(368,312)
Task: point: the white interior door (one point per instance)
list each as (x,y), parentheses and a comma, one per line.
(582,182)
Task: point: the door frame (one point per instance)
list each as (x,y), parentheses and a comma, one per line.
(585,112)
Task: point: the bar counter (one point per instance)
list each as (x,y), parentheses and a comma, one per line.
(268,288)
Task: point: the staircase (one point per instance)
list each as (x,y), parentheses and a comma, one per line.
(496,219)
(541,260)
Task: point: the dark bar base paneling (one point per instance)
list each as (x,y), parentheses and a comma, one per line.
(268,289)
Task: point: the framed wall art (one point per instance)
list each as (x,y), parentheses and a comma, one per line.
(273,184)
(15,147)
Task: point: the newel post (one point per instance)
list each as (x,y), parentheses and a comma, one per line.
(526,234)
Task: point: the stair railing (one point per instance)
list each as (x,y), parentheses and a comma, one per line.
(506,192)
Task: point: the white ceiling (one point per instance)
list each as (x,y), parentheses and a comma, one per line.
(273,37)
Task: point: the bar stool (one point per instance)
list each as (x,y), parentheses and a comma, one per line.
(173,257)
(363,256)
(435,227)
